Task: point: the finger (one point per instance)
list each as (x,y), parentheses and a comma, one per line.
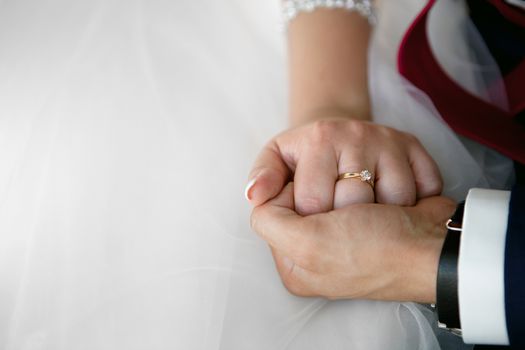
(285,200)
(395,182)
(426,172)
(276,220)
(440,208)
(268,175)
(314,179)
(353,190)
(282,228)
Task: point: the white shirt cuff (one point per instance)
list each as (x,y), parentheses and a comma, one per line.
(481,285)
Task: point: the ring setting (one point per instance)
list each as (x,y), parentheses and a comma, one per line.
(364,175)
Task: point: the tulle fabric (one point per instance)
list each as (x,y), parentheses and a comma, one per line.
(126,132)
(462,53)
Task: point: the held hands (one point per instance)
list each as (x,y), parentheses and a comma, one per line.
(315,154)
(370,251)
(322,245)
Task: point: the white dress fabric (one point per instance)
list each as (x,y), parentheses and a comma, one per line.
(127,129)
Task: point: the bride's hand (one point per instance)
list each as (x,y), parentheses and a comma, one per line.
(314,155)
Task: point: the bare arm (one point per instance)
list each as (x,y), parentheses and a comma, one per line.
(329,134)
(328,65)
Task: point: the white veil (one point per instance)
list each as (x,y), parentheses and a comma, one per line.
(126,132)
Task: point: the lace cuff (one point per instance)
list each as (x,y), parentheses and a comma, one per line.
(291,8)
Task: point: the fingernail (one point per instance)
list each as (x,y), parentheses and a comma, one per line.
(247,190)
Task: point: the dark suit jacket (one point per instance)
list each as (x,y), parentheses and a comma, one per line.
(515,269)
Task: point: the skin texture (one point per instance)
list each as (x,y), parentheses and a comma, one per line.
(372,251)
(327,54)
(314,154)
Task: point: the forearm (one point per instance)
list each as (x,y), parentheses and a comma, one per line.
(328,65)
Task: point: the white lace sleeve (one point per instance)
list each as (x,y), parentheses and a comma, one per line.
(291,8)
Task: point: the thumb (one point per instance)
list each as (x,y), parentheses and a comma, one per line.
(277,222)
(267,177)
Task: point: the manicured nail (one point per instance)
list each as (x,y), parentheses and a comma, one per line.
(247,190)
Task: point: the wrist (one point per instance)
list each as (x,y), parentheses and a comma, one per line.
(423,257)
(298,118)
(424,268)
(413,269)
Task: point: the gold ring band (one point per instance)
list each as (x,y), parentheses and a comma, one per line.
(363,175)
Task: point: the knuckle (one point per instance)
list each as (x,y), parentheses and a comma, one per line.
(394,137)
(295,286)
(291,285)
(324,130)
(358,130)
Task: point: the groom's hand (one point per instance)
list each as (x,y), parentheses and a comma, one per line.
(372,251)
(315,154)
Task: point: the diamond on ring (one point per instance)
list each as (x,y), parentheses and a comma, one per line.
(364,175)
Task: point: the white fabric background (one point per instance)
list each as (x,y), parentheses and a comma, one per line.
(126,132)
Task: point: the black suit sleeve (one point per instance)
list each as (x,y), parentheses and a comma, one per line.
(515,269)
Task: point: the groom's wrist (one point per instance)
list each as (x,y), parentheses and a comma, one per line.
(422,262)
(424,288)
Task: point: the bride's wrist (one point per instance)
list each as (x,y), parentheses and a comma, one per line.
(329,112)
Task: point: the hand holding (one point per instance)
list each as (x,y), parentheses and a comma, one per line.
(314,155)
(371,251)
